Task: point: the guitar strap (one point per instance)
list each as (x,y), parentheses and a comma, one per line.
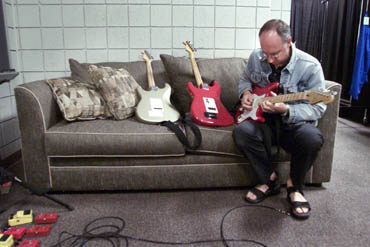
(273,121)
(186,122)
(280,90)
(277,122)
(180,134)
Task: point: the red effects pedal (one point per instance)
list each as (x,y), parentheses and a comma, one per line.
(38,231)
(17,232)
(29,243)
(46,218)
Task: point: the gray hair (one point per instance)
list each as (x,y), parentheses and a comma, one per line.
(281,28)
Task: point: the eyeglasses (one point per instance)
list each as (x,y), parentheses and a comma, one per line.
(273,55)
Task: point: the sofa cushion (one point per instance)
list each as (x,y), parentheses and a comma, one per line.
(226,71)
(219,141)
(99,138)
(79,71)
(118,89)
(77,100)
(214,140)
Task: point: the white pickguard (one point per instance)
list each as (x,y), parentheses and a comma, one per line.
(210,105)
(252,114)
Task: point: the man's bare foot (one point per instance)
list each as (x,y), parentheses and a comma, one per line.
(263,188)
(260,192)
(298,197)
(301,208)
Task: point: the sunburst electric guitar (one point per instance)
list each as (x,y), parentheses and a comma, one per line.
(206,107)
(263,94)
(155,105)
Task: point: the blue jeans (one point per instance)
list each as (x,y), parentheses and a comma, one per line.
(303,141)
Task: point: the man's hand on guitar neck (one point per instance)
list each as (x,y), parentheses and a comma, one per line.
(270,107)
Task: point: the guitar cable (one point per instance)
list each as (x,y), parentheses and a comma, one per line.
(112,233)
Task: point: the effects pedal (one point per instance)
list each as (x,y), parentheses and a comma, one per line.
(29,243)
(6,240)
(38,231)
(46,218)
(5,188)
(20,218)
(17,232)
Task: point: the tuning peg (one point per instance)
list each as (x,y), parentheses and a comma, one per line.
(192,47)
(330,91)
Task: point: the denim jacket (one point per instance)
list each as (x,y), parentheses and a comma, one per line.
(302,73)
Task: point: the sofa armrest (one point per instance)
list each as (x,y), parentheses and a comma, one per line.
(37,111)
(322,166)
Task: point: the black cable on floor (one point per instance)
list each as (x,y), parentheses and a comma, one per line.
(112,233)
(224,241)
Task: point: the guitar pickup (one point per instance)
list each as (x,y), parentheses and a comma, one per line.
(210,115)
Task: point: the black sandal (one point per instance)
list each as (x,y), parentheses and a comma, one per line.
(274,189)
(295,205)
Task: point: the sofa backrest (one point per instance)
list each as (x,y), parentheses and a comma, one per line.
(226,71)
(137,69)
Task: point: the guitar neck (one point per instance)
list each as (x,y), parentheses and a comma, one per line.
(149,70)
(196,72)
(285,98)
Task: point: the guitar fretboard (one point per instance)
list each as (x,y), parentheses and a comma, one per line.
(151,82)
(284,98)
(196,72)
(149,70)
(191,51)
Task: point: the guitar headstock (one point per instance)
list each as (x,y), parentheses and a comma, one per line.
(189,48)
(147,57)
(316,96)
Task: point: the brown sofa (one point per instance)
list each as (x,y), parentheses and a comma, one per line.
(130,155)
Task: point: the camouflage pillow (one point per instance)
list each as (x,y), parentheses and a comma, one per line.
(78,100)
(118,89)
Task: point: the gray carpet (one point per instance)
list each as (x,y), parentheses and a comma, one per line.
(340,209)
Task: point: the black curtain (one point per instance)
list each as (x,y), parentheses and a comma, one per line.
(328,30)
(307,21)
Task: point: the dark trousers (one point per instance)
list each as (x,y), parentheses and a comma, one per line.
(303,141)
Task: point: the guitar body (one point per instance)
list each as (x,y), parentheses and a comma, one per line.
(256,113)
(207,108)
(155,105)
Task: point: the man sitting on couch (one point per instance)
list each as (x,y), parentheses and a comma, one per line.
(278,60)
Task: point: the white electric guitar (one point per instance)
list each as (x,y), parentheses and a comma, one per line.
(155,105)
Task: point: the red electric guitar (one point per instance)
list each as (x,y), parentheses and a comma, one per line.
(206,107)
(263,94)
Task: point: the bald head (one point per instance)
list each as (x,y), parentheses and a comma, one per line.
(275,41)
(280,27)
